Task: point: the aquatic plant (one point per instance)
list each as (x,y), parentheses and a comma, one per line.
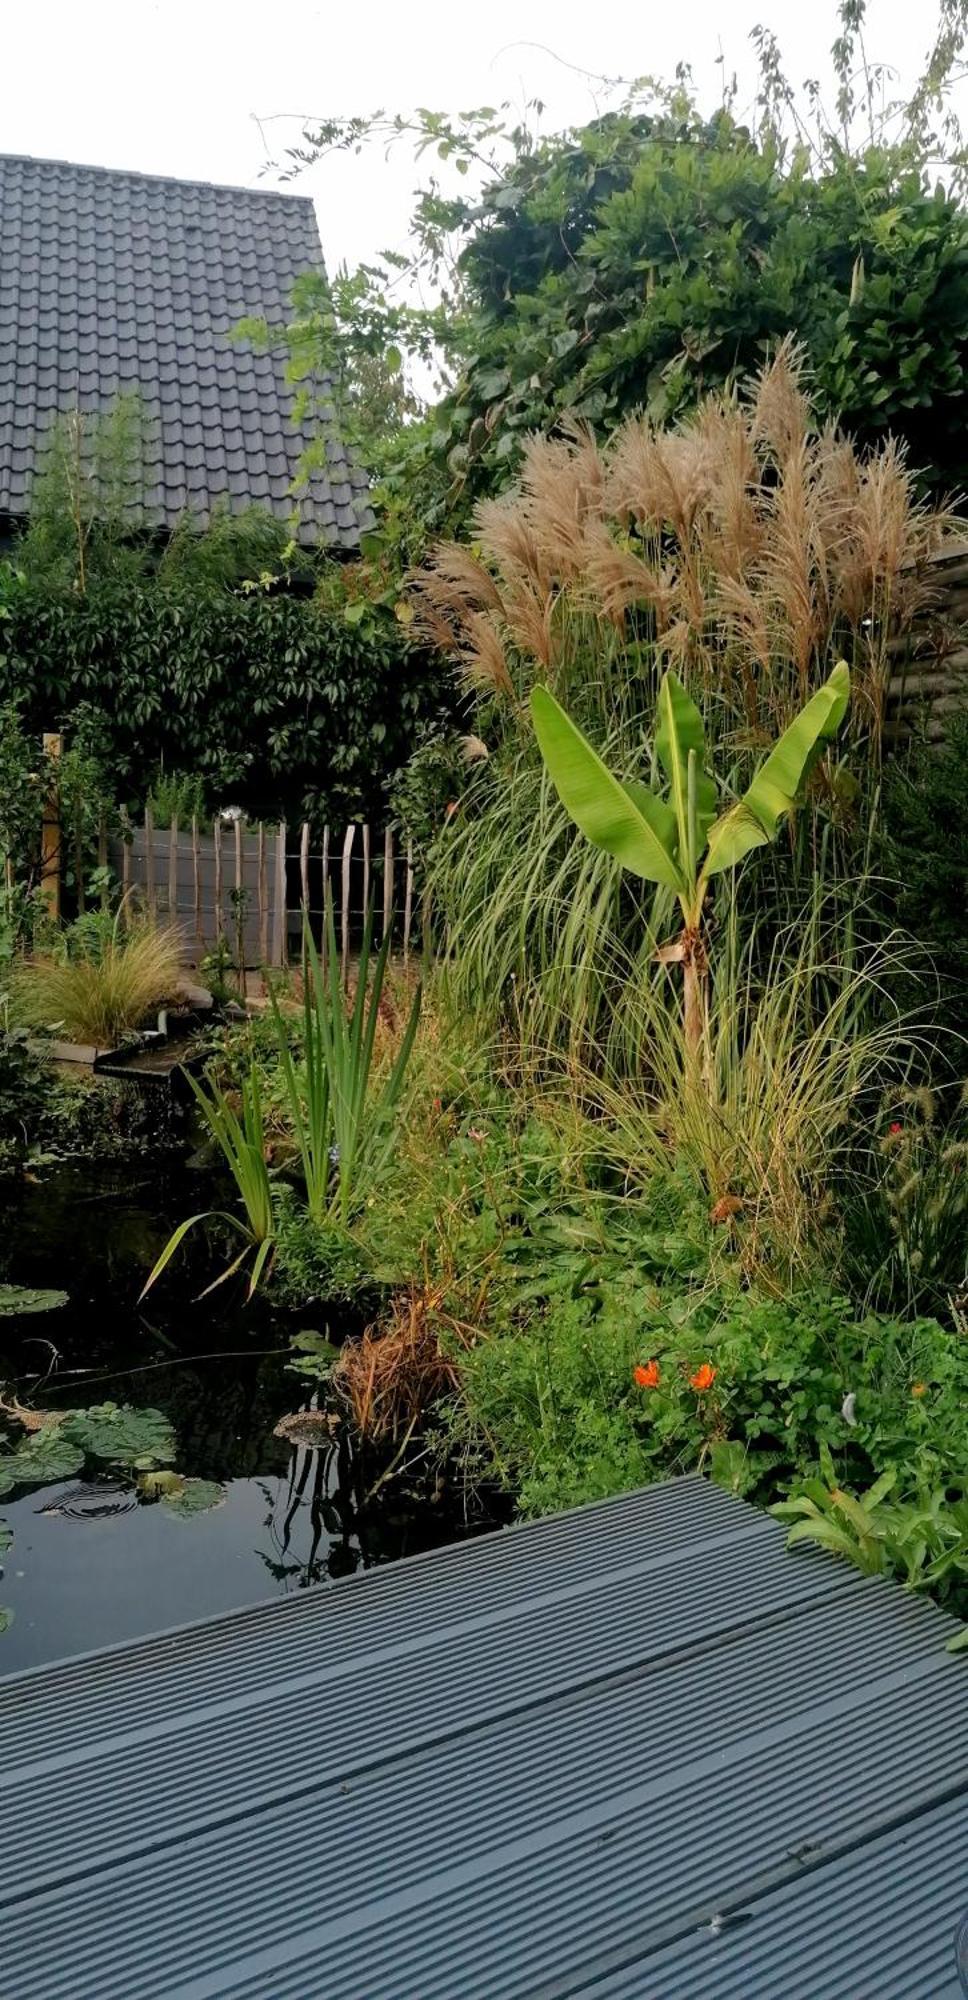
(242,1144)
(342,1114)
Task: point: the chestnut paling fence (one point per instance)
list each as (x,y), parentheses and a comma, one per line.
(259,886)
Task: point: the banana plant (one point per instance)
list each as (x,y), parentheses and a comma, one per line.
(679,840)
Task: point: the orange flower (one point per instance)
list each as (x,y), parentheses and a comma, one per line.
(647,1377)
(703,1378)
(919,1388)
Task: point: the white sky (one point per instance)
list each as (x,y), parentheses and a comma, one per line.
(176,86)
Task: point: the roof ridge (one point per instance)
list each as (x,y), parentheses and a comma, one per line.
(166,180)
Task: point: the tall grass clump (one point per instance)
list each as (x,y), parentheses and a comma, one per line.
(341,1109)
(747,550)
(804,1037)
(103,982)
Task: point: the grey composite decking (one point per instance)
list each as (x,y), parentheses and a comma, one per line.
(637,1750)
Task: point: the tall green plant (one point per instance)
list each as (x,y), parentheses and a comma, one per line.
(678,841)
(343,1123)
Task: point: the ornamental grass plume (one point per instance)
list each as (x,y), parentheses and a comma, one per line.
(747,546)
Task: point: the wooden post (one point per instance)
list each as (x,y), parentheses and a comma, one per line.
(408,903)
(387,882)
(217,844)
(366,868)
(50,831)
(173,870)
(279,934)
(126,839)
(325,938)
(426,928)
(239,906)
(239,866)
(150,861)
(348,839)
(263,898)
(79,855)
(197,886)
(102,858)
(304,878)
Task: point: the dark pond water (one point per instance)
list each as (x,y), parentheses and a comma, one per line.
(92,1561)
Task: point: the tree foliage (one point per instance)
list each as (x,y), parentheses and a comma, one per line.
(656,253)
(276,702)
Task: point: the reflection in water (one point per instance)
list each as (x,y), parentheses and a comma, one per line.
(95,1560)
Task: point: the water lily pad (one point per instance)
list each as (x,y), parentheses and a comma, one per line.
(122,1435)
(16,1299)
(6,1537)
(6,1618)
(197,1496)
(40,1459)
(315,1356)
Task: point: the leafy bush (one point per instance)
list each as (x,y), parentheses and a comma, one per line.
(565,1420)
(25,1092)
(271,701)
(655,253)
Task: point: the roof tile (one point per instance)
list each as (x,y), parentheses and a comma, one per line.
(114,281)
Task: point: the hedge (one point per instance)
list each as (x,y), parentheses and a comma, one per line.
(280,705)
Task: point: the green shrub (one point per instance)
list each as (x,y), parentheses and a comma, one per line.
(271,701)
(565,1421)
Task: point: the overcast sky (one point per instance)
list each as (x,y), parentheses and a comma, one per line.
(177,86)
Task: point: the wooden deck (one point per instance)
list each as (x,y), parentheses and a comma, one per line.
(637,1750)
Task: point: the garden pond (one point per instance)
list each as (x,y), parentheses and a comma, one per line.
(130,1531)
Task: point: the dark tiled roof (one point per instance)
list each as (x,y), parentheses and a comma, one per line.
(116,281)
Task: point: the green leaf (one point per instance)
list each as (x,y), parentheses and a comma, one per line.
(6,1618)
(194,1496)
(679,734)
(778,783)
(6,1537)
(627,821)
(122,1435)
(958,1643)
(16,1299)
(40,1459)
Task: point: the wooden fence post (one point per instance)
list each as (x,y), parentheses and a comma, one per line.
(79,855)
(408,903)
(50,838)
(366,868)
(263,898)
(217,852)
(348,839)
(127,836)
(102,858)
(150,861)
(279,932)
(304,880)
(387,881)
(173,870)
(197,886)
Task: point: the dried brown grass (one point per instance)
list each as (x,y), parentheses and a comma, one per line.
(400,1367)
(747,546)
